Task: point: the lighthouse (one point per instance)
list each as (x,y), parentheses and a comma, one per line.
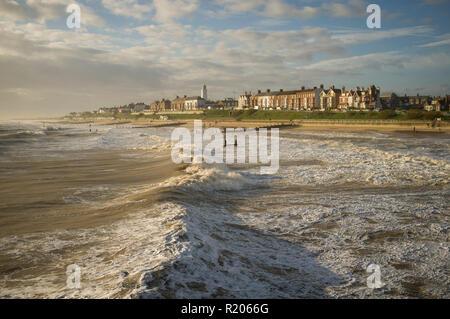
(204,94)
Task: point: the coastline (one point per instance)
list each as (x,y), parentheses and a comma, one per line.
(422,128)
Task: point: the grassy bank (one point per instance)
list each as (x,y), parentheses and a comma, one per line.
(294,115)
(259,115)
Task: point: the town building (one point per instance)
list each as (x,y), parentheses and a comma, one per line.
(178,104)
(139,107)
(308,99)
(244,100)
(414,102)
(204,93)
(124,109)
(330,99)
(437,104)
(164,105)
(303,99)
(154,106)
(345,99)
(419,100)
(389,100)
(194,103)
(228,103)
(360,98)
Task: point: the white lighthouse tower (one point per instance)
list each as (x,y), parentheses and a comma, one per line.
(204,94)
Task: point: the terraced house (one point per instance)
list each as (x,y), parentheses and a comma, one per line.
(360,98)
(329,99)
(303,99)
(178,104)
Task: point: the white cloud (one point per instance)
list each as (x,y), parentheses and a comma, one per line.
(356,64)
(358,36)
(440,41)
(169,10)
(128,8)
(436,44)
(282,9)
(11,9)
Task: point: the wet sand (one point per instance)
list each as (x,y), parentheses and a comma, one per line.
(53,193)
(417,129)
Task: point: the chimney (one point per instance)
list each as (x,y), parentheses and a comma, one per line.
(321,86)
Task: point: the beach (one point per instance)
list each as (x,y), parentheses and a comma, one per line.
(419,127)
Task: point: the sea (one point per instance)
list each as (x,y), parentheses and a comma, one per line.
(109,200)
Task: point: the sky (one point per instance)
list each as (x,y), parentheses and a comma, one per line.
(141,51)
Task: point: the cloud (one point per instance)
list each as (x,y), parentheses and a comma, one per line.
(439,60)
(357,64)
(442,40)
(169,10)
(128,8)
(357,36)
(46,10)
(163,11)
(353,8)
(282,9)
(238,6)
(436,44)
(13,10)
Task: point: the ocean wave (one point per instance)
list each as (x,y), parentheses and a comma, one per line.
(210,178)
(22,134)
(373,163)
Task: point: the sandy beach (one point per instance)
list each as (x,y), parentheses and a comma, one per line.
(410,128)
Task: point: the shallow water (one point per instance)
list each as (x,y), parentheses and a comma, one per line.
(109,200)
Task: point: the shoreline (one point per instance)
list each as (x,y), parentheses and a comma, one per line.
(409,128)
